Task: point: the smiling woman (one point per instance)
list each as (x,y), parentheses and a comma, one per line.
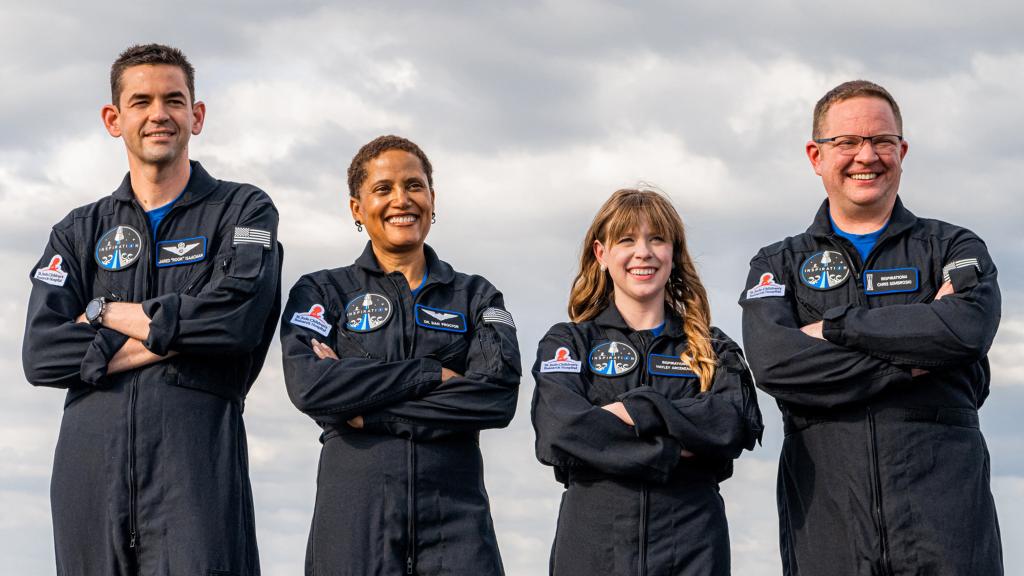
(402,361)
(640,405)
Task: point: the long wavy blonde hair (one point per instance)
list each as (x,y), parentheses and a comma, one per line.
(592,289)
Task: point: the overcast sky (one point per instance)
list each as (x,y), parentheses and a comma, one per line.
(532,114)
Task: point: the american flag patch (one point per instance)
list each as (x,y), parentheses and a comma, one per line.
(251,236)
(959,264)
(498,315)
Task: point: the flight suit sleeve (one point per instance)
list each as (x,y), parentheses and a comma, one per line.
(334,391)
(484,397)
(228,314)
(794,367)
(573,433)
(58,351)
(953,331)
(720,422)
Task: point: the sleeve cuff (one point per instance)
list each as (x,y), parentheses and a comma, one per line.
(163,322)
(646,421)
(833,322)
(431,369)
(97,357)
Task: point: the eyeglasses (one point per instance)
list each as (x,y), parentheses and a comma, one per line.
(850,145)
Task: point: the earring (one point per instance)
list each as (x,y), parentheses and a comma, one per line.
(433,217)
(603,267)
(359,226)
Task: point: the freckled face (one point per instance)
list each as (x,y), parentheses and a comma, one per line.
(639,264)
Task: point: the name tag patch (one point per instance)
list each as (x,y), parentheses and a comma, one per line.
(367,312)
(665,365)
(53,274)
(612,359)
(562,362)
(890,281)
(437,319)
(313,320)
(118,248)
(178,252)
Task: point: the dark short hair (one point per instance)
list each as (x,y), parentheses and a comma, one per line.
(357,169)
(853,89)
(141,54)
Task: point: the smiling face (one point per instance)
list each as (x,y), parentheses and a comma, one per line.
(395,202)
(639,264)
(867,181)
(155,116)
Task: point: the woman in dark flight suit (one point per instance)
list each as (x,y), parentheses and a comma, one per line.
(640,405)
(402,361)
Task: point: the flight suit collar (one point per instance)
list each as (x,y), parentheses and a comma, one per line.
(437,270)
(200,184)
(900,220)
(611,318)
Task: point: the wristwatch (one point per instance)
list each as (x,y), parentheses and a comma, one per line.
(94,311)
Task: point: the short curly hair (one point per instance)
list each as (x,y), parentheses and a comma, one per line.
(357,169)
(142,54)
(853,89)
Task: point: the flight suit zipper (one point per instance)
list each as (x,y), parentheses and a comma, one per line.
(876,480)
(641,561)
(410,551)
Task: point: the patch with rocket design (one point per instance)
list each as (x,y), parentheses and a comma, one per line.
(367,312)
(119,248)
(825,270)
(612,359)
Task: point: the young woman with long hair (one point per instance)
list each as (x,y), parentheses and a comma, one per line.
(641,405)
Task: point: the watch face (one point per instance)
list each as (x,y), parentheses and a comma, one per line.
(93,309)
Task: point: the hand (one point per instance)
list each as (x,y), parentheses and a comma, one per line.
(356,422)
(323,351)
(619,409)
(81,319)
(447,374)
(915,372)
(686,453)
(945,290)
(814,330)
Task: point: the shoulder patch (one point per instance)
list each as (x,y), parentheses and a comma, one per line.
(313,320)
(766,287)
(244,235)
(963,263)
(52,274)
(562,362)
(612,359)
(498,315)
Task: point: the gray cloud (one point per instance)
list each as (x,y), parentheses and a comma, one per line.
(532,113)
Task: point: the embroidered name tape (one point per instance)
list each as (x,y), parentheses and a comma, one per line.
(52,274)
(498,315)
(313,320)
(766,287)
(612,359)
(178,252)
(118,248)
(665,365)
(959,264)
(562,362)
(437,319)
(890,281)
(245,235)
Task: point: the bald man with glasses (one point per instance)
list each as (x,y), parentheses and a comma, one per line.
(871,330)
